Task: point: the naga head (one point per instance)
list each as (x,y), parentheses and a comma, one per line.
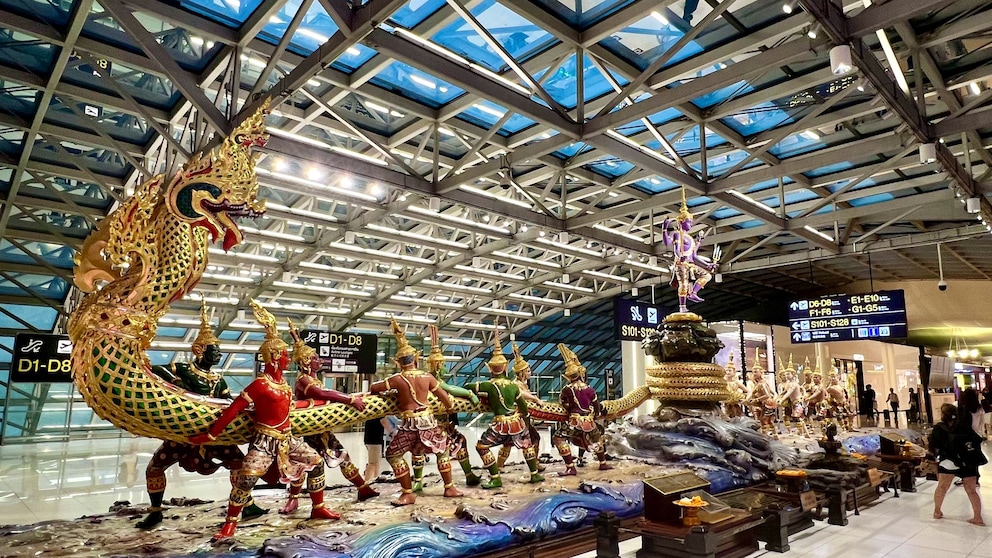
(214,190)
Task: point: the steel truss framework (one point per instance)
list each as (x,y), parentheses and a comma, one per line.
(462,161)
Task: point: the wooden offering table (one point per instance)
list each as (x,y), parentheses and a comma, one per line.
(732,538)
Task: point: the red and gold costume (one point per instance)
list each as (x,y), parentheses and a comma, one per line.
(270,398)
(195,377)
(308,387)
(761,398)
(580,401)
(419,432)
(457,445)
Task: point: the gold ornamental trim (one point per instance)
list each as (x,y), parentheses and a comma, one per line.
(680,369)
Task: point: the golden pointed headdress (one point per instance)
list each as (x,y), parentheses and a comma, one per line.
(405,354)
(206,336)
(756,367)
(302,353)
(573,369)
(497,364)
(435,360)
(730,364)
(273,345)
(684,210)
(519,364)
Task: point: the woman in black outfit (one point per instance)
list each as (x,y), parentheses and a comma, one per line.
(945,443)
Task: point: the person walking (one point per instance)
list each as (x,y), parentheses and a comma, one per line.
(870,403)
(958,454)
(893,400)
(913,415)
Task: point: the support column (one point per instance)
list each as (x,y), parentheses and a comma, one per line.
(633,362)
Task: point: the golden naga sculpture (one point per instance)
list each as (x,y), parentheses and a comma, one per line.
(151,252)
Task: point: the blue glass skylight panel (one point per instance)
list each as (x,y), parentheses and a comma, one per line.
(173,332)
(797,144)
(561,86)
(315,29)
(414,84)
(654,185)
(232,13)
(724,213)
(518,36)
(750,224)
(863,184)
(55,254)
(869,200)
(766,184)
(486,114)
(697,201)
(719,163)
(45,286)
(723,94)
(353,58)
(612,167)
(25,51)
(795,196)
(414,12)
(572,149)
(41,317)
(649,38)
(836,167)
(760,118)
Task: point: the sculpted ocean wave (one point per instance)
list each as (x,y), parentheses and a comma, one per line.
(474,530)
(727,454)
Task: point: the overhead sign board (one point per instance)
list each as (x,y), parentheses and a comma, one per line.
(343,353)
(880,315)
(41,357)
(634,320)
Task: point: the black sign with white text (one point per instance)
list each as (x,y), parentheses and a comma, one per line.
(634,320)
(41,357)
(879,315)
(343,353)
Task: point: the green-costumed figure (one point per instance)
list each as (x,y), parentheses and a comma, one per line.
(457,445)
(521,373)
(511,423)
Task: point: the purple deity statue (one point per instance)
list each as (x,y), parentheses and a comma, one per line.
(692,271)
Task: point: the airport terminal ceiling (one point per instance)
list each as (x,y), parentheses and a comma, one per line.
(458,162)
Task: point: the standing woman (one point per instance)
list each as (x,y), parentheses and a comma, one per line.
(946,444)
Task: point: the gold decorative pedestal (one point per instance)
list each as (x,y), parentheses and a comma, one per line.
(687,381)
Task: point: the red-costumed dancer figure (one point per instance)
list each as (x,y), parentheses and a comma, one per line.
(308,387)
(270,399)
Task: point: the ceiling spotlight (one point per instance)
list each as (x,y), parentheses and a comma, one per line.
(718,278)
(811,32)
(975,88)
(563,237)
(565,278)
(974,205)
(349,237)
(928,153)
(568,312)
(476,261)
(434,204)
(840,57)
(633,291)
(652,260)
(788,7)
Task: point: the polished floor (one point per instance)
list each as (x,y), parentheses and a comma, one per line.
(50,481)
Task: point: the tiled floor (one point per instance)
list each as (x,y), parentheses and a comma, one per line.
(66,480)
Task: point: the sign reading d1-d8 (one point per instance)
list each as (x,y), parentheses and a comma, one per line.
(41,357)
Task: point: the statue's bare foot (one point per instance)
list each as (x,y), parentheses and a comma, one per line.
(452,492)
(405,499)
(324,513)
(569,472)
(604,466)
(290,506)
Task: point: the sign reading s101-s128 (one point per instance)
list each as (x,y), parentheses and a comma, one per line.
(878,315)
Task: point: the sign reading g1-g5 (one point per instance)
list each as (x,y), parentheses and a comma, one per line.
(634,320)
(878,315)
(41,357)
(343,353)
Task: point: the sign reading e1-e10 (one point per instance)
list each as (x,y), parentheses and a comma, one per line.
(878,315)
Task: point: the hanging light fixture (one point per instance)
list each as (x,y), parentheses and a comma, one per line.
(840,59)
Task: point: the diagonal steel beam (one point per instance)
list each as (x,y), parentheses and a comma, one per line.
(164,61)
(79,17)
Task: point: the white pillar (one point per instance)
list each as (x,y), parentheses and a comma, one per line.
(633,362)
